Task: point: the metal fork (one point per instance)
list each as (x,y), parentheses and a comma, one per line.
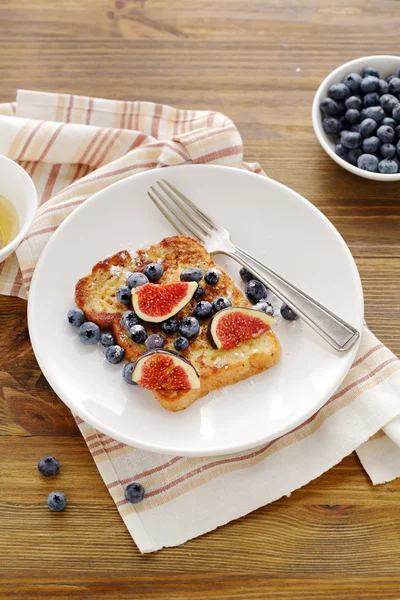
(189,219)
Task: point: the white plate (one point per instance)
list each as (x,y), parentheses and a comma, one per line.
(271,221)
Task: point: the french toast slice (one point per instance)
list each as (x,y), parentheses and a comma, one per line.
(95,295)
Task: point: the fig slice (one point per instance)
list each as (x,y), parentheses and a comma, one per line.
(231,327)
(157,302)
(165,370)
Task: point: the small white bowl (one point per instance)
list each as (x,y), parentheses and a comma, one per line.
(18,188)
(385,65)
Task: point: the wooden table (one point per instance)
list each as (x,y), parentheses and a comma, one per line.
(259,62)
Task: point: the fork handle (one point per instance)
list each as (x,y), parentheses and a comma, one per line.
(331,327)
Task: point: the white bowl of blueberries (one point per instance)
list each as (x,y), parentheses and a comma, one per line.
(356,117)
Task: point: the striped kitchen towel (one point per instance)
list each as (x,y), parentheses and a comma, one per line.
(74,146)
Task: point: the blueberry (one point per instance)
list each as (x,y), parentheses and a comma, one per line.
(351,140)
(398,148)
(352,115)
(374,112)
(114,354)
(388,151)
(153,271)
(56,501)
(341,106)
(245,274)
(396,113)
(340,150)
(107,340)
(389,78)
(371,145)
(189,327)
(155,340)
(89,333)
(202,310)
(255,291)
(341,134)
(134,493)
(388,102)
(138,334)
(386,134)
(331,125)
(129,319)
(137,279)
(368,127)
(370,71)
(287,313)
(181,344)
(124,295)
(329,107)
(394,86)
(388,166)
(368,162)
(355,128)
(127,373)
(338,91)
(211,277)
(371,99)
(354,102)
(48,466)
(265,307)
(369,83)
(170,326)
(353,156)
(76,317)
(397,132)
(222,302)
(389,121)
(199,293)
(352,81)
(192,274)
(383,87)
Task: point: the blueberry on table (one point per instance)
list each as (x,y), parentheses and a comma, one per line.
(48,466)
(181,344)
(331,125)
(192,274)
(353,156)
(114,354)
(385,134)
(370,71)
(89,333)
(153,271)
(255,291)
(351,140)
(170,326)
(388,151)
(352,115)
(388,166)
(389,121)
(137,279)
(211,277)
(371,99)
(352,81)
(329,107)
(124,295)
(107,340)
(265,307)
(383,87)
(199,293)
(368,127)
(287,313)
(134,493)
(338,91)
(155,340)
(189,327)
(369,83)
(394,85)
(127,373)
(221,302)
(374,112)
(371,145)
(138,334)
(354,102)
(202,310)
(368,162)
(76,317)
(129,319)
(396,113)
(340,150)
(388,102)
(56,501)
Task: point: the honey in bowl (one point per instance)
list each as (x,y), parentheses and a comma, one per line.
(8,222)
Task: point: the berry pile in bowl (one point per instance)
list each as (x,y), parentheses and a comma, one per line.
(356,117)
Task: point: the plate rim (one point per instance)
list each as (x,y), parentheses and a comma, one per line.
(188,452)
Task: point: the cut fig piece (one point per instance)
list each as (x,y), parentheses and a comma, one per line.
(165,370)
(231,327)
(157,302)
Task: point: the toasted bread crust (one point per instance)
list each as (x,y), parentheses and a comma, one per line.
(95,295)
